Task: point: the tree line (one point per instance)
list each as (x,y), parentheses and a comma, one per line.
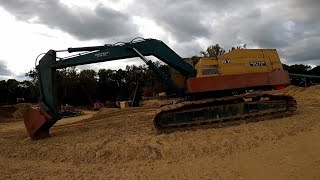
(88,86)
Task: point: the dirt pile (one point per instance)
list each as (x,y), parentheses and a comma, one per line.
(13,111)
(7,111)
(20,110)
(154,103)
(125,141)
(309,96)
(312,91)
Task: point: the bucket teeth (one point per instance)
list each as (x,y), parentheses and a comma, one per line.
(35,123)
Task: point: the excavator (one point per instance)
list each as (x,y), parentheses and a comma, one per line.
(228,90)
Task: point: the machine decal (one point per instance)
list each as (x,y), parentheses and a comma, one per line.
(226,61)
(102,54)
(258,63)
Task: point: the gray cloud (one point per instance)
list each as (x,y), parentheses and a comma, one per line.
(4,71)
(84,24)
(291,26)
(184,20)
(299,53)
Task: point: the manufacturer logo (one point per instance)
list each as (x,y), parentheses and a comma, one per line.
(101,54)
(226,61)
(258,63)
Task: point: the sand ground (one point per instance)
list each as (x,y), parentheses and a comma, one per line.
(122,144)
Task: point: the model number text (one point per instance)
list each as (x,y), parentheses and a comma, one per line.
(102,54)
(258,63)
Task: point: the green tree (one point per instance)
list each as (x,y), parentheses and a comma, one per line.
(213,51)
(285,67)
(31,91)
(239,47)
(4,91)
(13,89)
(299,69)
(315,71)
(194,59)
(33,75)
(89,84)
(108,87)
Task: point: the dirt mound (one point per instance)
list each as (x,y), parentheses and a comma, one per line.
(305,96)
(125,141)
(154,103)
(112,112)
(20,110)
(7,111)
(13,111)
(302,92)
(106,111)
(292,90)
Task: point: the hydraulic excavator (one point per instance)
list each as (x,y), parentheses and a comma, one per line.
(227,90)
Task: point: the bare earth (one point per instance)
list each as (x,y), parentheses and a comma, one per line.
(122,144)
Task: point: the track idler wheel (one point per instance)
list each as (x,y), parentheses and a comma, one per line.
(35,123)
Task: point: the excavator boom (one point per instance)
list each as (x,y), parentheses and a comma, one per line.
(136,48)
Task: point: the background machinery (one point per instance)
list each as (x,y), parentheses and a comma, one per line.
(216,93)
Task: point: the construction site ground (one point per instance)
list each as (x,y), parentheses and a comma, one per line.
(123,144)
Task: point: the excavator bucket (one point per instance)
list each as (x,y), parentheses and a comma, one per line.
(35,121)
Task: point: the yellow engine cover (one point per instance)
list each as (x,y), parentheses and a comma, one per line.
(239,61)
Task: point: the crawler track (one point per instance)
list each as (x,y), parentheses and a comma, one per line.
(221,112)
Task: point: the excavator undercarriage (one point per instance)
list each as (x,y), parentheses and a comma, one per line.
(225,111)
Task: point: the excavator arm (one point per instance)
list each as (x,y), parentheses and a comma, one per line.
(38,122)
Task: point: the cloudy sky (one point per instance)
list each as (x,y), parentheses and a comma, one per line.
(31,27)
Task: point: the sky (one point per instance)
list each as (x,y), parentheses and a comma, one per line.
(32,27)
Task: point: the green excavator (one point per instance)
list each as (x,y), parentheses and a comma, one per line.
(209,99)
